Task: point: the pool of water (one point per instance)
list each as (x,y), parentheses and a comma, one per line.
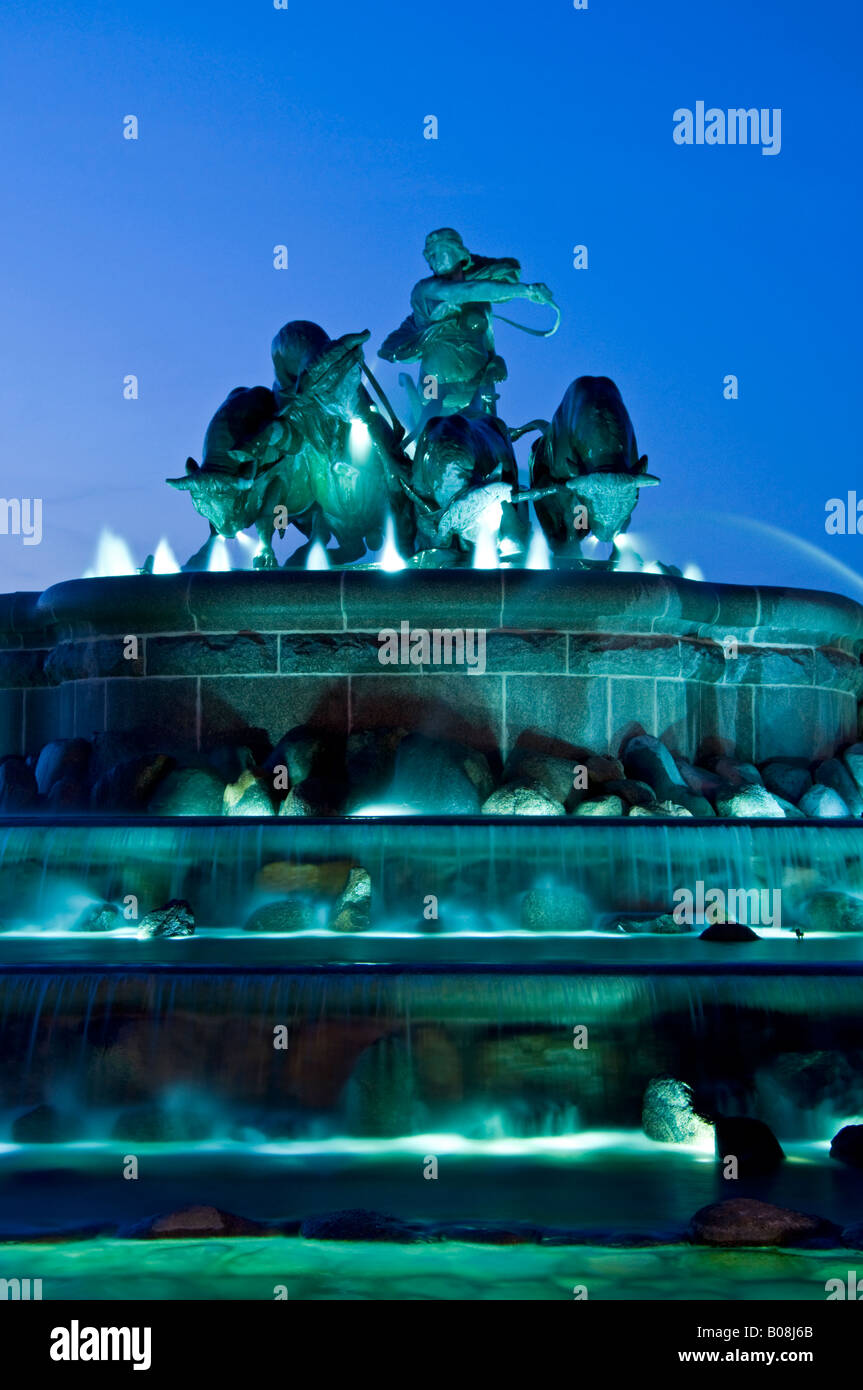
(290,1267)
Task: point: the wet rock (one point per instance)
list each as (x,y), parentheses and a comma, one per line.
(811,1079)
(647,759)
(521,801)
(668,1115)
(787,779)
(792,812)
(295,804)
(631,793)
(749,802)
(603,806)
(193,1223)
(660,810)
(823,803)
(18,788)
(847,1146)
(486,1232)
(832,910)
(664,925)
(729,931)
(189,791)
(45,1125)
(853,760)
(542,772)
(294,914)
(735,774)
(700,780)
(306,753)
(353,910)
(67,796)
(314,762)
(327,878)
(176,918)
(556,909)
(751,1142)
(741,1221)
(60,759)
(99,917)
(129,785)
(231,760)
(248,796)
(852,1236)
(601,769)
(357,1223)
(370,761)
(436,777)
(834,774)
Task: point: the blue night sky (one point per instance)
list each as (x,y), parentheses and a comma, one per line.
(305,127)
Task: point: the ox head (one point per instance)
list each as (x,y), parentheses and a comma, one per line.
(221,497)
(610,498)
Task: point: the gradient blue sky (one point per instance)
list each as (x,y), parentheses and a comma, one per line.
(305,127)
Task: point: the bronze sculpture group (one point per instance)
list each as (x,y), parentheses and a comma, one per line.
(325,451)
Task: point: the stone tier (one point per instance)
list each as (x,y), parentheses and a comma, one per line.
(578,658)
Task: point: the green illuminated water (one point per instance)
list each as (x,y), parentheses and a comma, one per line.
(254,1268)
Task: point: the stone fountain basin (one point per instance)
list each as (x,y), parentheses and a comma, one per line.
(581,658)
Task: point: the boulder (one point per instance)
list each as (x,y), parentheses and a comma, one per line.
(556,909)
(853,760)
(750,801)
(832,910)
(294,914)
(751,1142)
(188,791)
(63,758)
(834,774)
(699,779)
(176,918)
(729,931)
(99,917)
(67,796)
(370,761)
(326,878)
(130,784)
(735,774)
(18,789)
(436,777)
(601,769)
(646,759)
(742,1221)
(631,793)
(823,803)
(295,804)
(847,1146)
(522,801)
(661,810)
(487,1232)
(353,909)
(603,806)
(668,1115)
(193,1223)
(664,925)
(811,1079)
(852,1236)
(541,772)
(786,778)
(357,1224)
(248,796)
